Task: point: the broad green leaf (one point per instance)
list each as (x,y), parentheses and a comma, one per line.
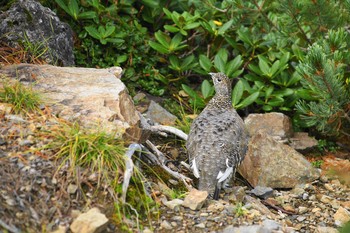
(223,54)
(233,65)
(249,100)
(162,39)
(73,8)
(187,62)
(151,3)
(244,36)
(93,32)
(183,32)
(122,58)
(237,93)
(275,67)
(205,62)
(264,67)
(297,52)
(284,92)
(167,12)
(206,89)
(268,92)
(160,48)
(276,101)
(219,63)
(115,40)
(285,58)
(207,27)
(174,61)
(237,73)
(197,100)
(267,108)
(255,69)
(175,41)
(109,30)
(63,6)
(88,15)
(189,91)
(294,79)
(192,25)
(224,27)
(171,28)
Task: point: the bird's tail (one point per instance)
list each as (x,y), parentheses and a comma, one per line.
(216,192)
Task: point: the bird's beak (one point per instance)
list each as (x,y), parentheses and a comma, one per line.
(211,74)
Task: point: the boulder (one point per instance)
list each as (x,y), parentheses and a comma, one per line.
(274,124)
(158,114)
(301,141)
(271,163)
(90,222)
(27,21)
(96,98)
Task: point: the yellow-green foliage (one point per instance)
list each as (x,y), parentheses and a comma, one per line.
(104,155)
(24,99)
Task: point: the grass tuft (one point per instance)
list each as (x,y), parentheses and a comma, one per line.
(24,99)
(103,154)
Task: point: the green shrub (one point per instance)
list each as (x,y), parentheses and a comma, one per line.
(325,73)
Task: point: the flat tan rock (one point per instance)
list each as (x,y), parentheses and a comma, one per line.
(195,199)
(95,97)
(92,221)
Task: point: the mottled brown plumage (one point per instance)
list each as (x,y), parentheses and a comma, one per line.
(217,141)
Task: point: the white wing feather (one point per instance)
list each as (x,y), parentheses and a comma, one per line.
(195,169)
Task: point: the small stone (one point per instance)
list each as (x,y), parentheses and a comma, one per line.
(323,178)
(75,213)
(147,230)
(173,224)
(200,225)
(72,188)
(89,222)
(166,225)
(205,214)
(173,203)
(177,218)
(288,207)
(329,187)
(342,216)
(326,199)
(346,204)
(15,119)
(60,229)
(195,199)
(302,209)
(215,207)
(262,192)
(239,193)
(139,96)
(25,142)
(301,218)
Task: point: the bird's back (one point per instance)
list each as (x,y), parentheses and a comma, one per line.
(217,139)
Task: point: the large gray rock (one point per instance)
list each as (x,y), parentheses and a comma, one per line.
(301,141)
(28,21)
(96,98)
(274,124)
(159,115)
(273,164)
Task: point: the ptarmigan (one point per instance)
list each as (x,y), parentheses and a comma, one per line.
(217,142)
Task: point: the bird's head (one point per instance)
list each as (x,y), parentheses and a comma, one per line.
(222,83)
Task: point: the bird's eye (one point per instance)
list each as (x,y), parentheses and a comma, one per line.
(219,79)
